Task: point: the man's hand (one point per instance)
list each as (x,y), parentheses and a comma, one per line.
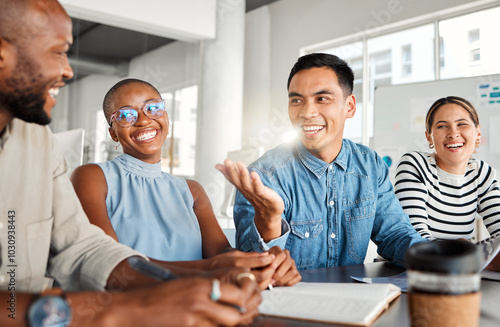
(187,302)
(236,258)
(282,271)
(274,267)
(268,205)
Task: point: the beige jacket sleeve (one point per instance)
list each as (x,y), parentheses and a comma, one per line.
(45,230)
(82,256)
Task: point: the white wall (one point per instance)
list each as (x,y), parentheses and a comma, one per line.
(258,130)
(187,20)
(173,66)
(295,24)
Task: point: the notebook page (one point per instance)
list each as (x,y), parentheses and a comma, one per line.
(347,303)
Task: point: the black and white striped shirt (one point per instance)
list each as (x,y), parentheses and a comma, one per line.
(443,205)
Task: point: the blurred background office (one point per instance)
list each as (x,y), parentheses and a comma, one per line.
(223,66)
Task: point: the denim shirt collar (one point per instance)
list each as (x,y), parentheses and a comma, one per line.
(318,166)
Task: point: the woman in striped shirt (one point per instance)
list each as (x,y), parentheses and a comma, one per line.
(443,191)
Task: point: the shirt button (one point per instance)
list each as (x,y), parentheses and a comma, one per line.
(333,235)
(306,234)
(330,167)
(332,203)
(471,166)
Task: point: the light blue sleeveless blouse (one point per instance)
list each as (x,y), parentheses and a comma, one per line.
(151,211)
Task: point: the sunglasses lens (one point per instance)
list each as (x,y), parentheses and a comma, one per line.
(155,110)
(126,117)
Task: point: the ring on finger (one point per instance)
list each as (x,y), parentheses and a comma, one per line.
(215,294)
(242,275)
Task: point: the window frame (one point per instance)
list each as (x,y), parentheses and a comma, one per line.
(432,18)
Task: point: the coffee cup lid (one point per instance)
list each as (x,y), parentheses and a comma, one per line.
(443,256)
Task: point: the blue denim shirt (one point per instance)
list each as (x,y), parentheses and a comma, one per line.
(331,210)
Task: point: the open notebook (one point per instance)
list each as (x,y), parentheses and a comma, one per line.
(341,303)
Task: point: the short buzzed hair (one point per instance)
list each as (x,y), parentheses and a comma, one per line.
(18,24)
(108,98)
(11,17)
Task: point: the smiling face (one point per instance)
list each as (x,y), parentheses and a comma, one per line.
(454,137)
(318,108)
(144,139)
(35,64)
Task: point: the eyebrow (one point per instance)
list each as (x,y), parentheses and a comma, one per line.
(296,94)
(443,121)
(145,101)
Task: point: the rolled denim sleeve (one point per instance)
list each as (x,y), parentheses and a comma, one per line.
(248,238)
(392,231)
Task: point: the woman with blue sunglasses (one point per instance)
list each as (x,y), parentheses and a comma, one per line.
(163,216)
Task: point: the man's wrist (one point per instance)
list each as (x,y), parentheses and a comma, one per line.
(98,309)
(269,229)
(50,308)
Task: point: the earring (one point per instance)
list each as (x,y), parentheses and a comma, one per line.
(478,141)
(431,146)
(116,145)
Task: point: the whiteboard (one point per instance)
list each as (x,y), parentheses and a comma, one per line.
(399,116)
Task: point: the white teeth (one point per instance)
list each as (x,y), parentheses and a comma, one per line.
(455,145)
(54,92)
(146,136)
(312,128)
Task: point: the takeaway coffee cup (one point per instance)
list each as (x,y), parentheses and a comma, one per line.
(443,284)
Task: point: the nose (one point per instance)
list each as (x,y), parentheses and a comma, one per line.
(308,110)
(453,132)
(142,119)
(67,70)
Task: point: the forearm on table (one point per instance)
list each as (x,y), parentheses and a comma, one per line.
(88,308)
(125,277)
(14,308)
(185,268)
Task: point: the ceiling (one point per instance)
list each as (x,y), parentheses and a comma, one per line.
(104,49)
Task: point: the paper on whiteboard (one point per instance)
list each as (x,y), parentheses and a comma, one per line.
(418,111)
(494,134)
(488,94)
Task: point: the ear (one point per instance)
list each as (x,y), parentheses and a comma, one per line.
(350,104)
(3,50)
(429,138)
(7,52)
(112,133)
(479,131)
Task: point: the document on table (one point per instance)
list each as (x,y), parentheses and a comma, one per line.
(488,249)
(341,303)
(400,280)
(490,275)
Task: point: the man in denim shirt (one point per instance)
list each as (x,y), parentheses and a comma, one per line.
(325,197)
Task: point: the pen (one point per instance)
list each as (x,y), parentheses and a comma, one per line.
(151,269)
(266,248)
(158,272)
